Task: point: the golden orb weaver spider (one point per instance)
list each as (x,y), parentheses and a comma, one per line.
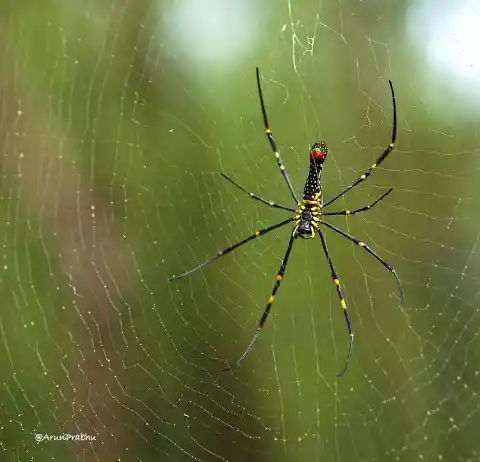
(308,218)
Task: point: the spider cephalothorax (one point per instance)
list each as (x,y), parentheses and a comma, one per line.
(308,218)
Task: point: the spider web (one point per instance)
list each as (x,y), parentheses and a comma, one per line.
(116,119)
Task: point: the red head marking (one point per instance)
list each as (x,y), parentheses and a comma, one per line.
(318,151)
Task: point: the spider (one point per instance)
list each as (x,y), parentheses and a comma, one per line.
(307,220)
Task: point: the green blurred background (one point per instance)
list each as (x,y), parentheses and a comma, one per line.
(116,119)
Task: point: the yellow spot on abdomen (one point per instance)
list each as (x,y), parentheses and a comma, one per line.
(270,300)
(344,305)
(279,277)
(336,282)
(361,244)
(257,233)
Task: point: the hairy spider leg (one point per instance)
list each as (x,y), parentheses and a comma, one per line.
(227,250)
(271,140)
(371,252)
(382,157)
(278,280)
(256,197)
(338,287)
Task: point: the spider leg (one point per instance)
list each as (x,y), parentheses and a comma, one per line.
(265,314)
(371,252)
(336,283)
(271,140)
(382,157)
(254,196)
(258,233)
(362,209)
